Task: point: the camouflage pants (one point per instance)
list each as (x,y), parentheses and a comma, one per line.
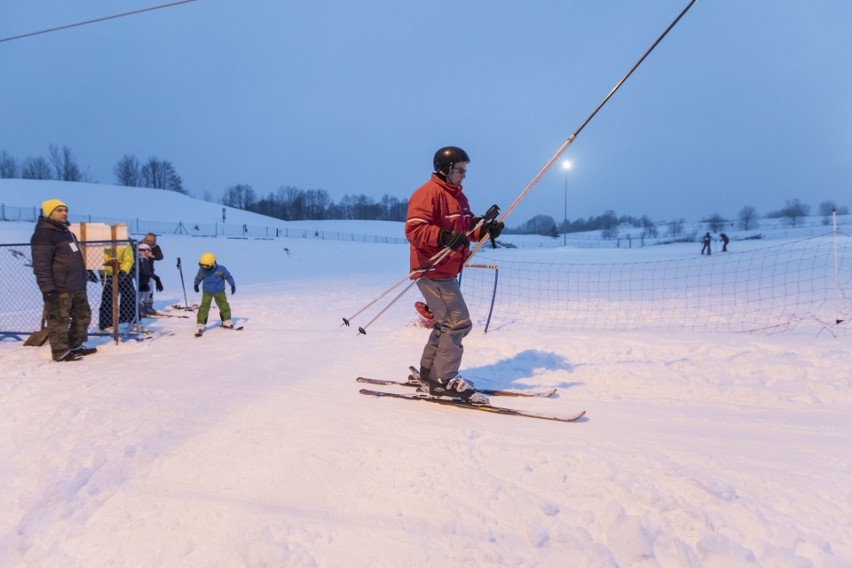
(221,302)
(68,321)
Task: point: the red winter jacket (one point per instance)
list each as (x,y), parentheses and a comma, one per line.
(434,206)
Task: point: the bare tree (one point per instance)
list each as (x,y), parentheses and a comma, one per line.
(128,171)
(293,202)
(649,228)
(792,213)
(394,209)
(537,225)
(609,225)
(826,208)
(64,164)
(8,166)
(240,196)
(161,174)
(36,168)
(676,227)
(826,211)
(715,222)
(317,204)
(747,218)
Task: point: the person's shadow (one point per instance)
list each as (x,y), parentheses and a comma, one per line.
(519,371)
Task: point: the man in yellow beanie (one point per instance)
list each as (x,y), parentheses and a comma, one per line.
(60,272)
(49,206)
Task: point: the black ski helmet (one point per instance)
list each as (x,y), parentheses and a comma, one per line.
(447,156)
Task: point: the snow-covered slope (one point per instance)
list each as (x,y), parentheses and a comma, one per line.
(254,448)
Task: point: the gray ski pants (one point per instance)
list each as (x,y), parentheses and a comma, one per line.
(444,350)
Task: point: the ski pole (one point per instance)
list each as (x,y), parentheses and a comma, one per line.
(489,216)
(185,301)
(573,136)
(423,269)
(363,330)
(492,212)
(837,296)
(426,267)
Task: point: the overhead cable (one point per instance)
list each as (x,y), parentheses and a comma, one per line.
(96,20)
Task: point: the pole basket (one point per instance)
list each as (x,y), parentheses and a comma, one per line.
(424,314)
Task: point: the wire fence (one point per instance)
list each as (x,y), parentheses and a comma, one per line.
(21,301)
(204,230)
(805,283)
(774,228)
(765,290)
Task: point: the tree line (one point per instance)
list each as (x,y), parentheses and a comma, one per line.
(288,203)
(294,204)
(60,164)
(793,213)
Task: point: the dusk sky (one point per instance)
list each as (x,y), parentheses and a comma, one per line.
(745,102)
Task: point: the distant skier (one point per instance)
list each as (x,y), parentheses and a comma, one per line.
(725,241)
(213,277)
(706,246)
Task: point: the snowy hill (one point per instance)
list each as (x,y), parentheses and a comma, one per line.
(254,448)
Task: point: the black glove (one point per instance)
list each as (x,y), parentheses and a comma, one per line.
(233,289)
(489,217)
(91,276)
(159,284)
(453,239)
(494,228)
(51,299)
(195,288)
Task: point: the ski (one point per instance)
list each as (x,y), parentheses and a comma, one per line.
(238,328)
(164,315)
(146,335)
(489,392)
(484,407)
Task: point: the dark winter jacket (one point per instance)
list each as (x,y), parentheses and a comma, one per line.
(157,254)
(434,206)
(146,272)
(58,262)
(214,279)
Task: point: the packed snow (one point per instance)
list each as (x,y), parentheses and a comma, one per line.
(254,448)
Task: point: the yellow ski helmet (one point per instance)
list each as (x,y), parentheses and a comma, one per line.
(207,260)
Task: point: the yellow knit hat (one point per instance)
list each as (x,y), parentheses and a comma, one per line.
(49,206)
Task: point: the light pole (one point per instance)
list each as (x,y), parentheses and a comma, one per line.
(566,165)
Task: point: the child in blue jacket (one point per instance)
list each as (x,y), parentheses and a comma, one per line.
(213,276)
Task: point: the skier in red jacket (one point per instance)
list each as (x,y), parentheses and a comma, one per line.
(439,217)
